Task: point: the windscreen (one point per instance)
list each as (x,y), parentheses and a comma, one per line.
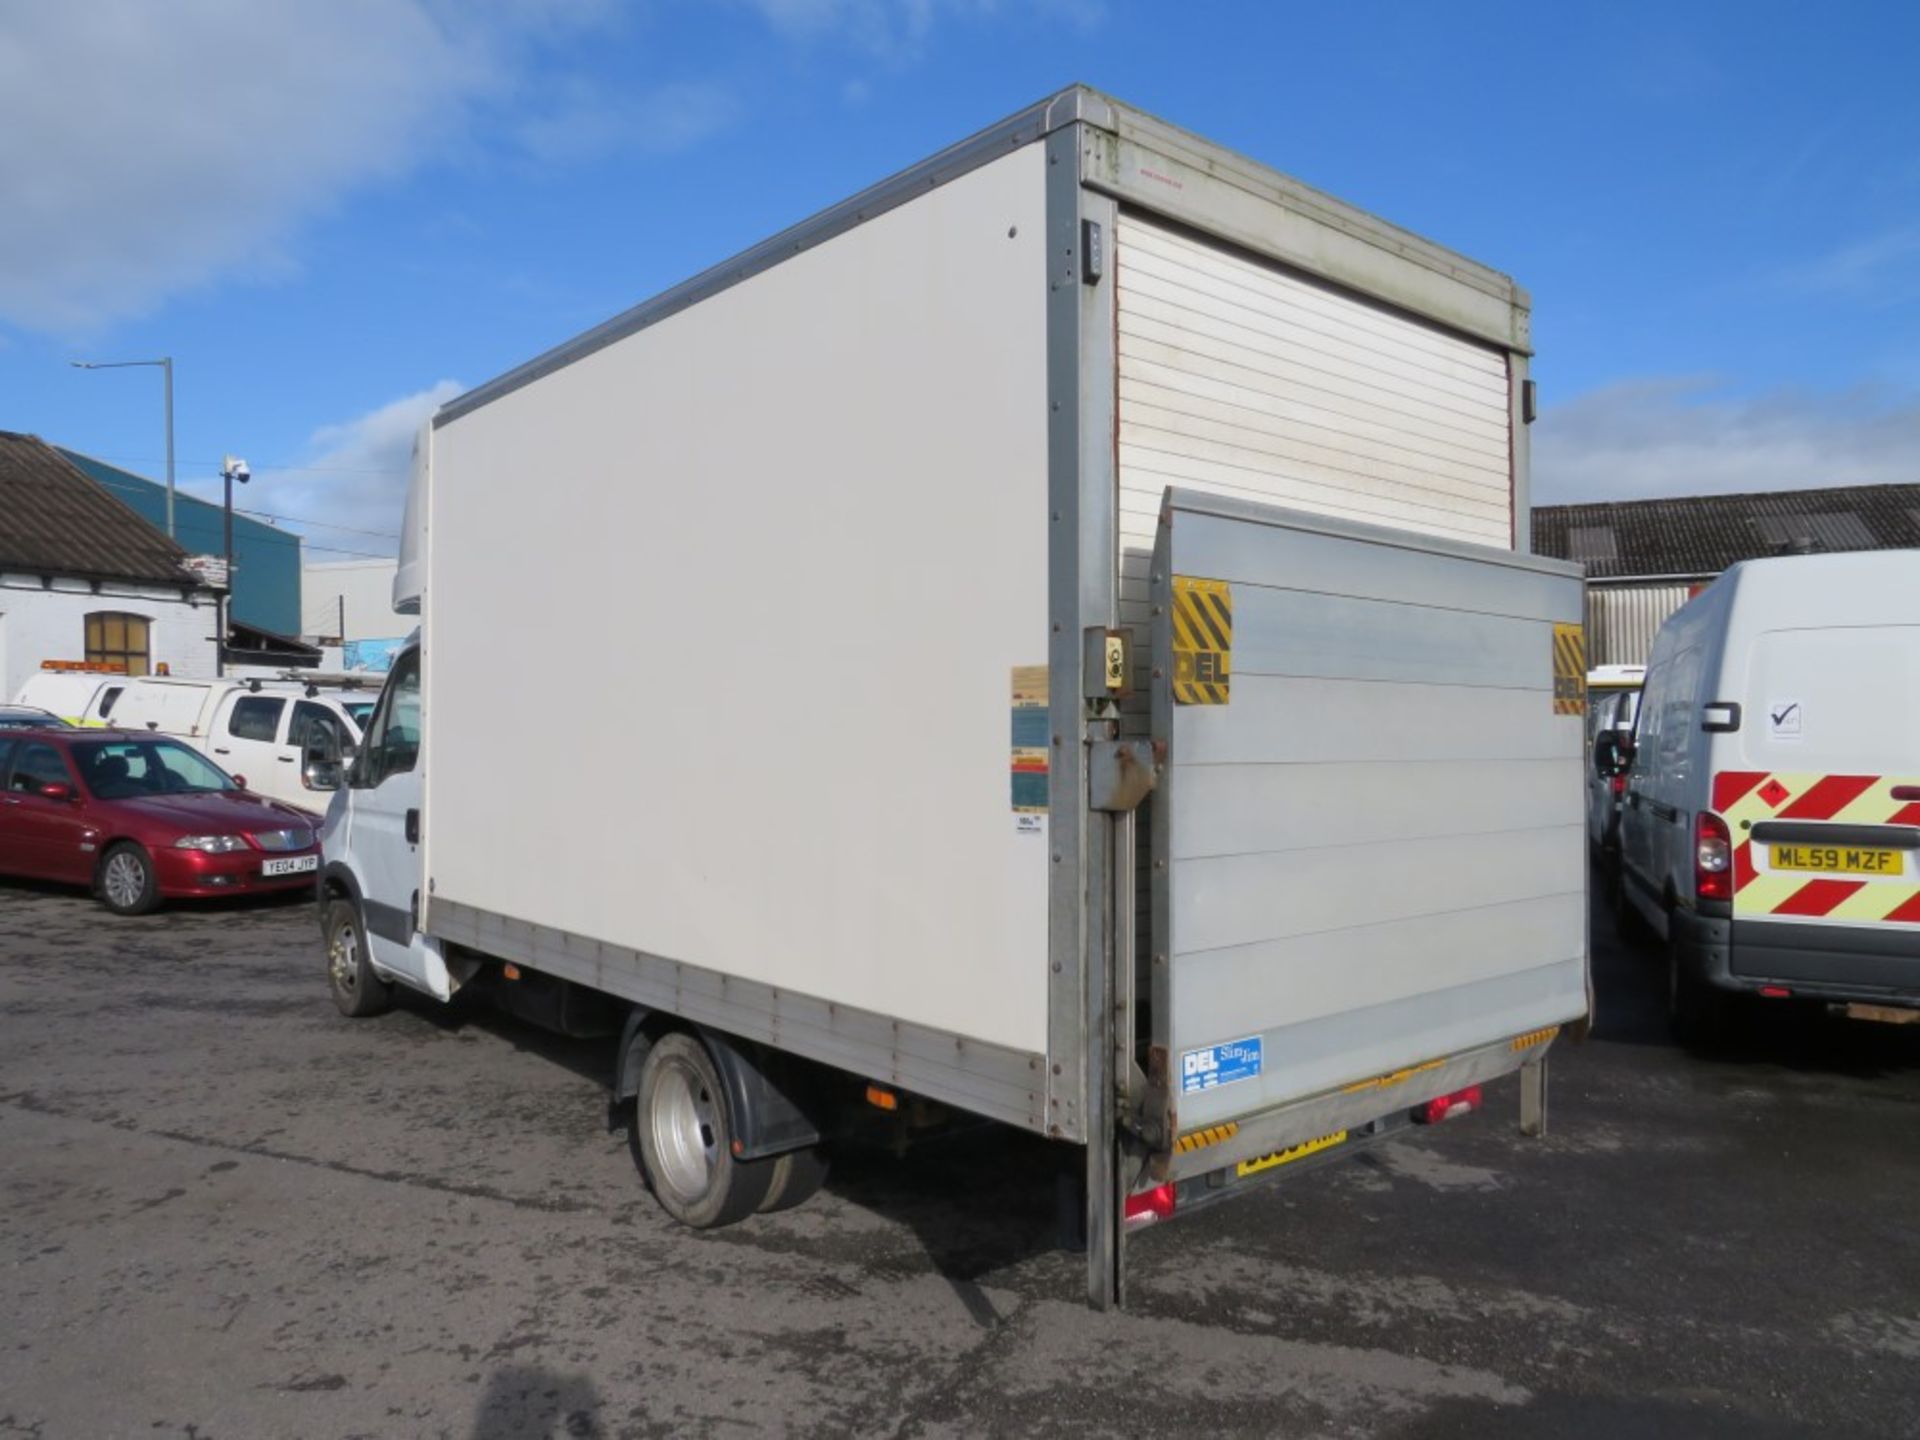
(131,769)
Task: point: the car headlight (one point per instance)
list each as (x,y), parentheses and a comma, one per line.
(212,844)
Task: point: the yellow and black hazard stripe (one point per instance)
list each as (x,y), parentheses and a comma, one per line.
(1202,641)
(1569,670)
(1212,1135)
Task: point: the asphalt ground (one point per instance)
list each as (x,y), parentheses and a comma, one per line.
(229,1212)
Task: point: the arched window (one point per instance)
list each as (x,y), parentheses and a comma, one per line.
(113,635)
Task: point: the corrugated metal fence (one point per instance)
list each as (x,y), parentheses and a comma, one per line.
(1623,619)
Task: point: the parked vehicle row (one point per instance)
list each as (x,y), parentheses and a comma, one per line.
(1769,836)
(255,728)
(140,818)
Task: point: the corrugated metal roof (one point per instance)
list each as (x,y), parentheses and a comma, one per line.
(56,521)
(1704,534)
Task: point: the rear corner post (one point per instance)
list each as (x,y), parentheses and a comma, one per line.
(1533,1096)
(1082,596)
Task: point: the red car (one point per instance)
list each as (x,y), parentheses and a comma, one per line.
(140,819)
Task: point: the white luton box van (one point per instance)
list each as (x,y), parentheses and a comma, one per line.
(1771,829)
(1084,470)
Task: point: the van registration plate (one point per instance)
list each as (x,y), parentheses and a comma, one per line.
(291,865)
(1836,859)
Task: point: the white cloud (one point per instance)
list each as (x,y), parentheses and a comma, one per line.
(353,477)
(1681,435)
(1881,270)
(897,30)
(149,148)
(580,121)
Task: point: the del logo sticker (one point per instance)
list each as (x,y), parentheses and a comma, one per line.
(1212,1066)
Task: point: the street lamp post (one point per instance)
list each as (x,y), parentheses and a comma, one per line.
(232,468)
(165,363)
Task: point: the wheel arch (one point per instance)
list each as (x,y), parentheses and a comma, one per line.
(773,1101)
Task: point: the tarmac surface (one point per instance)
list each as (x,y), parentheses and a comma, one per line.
(229,1212)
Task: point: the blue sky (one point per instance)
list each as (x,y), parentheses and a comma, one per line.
(333,214)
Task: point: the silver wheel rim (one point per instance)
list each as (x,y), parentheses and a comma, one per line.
(686,1130)
(125,881)
(343,959)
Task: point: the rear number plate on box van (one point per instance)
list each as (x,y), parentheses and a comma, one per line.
(1836,859)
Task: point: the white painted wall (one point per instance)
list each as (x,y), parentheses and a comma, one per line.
(38,624)
(367,588)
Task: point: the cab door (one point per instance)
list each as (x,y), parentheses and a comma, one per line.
(384,790)
(245,739)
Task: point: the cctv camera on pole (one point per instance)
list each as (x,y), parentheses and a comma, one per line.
(232,469)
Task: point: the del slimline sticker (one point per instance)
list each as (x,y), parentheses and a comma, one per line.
(1212,1066)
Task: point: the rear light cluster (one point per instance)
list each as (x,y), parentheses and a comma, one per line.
(1712,858)
(1151,1205)
(1447,1107)
(1619,783)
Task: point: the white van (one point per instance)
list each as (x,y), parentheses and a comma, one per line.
(1613,702)
(256,729)
(1771,830)
(78,696)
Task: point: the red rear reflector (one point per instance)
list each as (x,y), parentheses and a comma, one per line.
(1154,1204)
(1776,992)
(1619,783)
(1446,1107)
(1906,792)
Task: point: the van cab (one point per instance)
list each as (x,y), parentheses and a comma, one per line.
(1770,833)
(260,729)
(78,694)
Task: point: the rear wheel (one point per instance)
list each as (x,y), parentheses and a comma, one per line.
(357,990)
(1696,1011)
(126,883)
(796,1176)
(1627,921)
(682,1139)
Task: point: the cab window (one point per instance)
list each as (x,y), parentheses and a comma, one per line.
(316,725)
(255,717)
(393,739)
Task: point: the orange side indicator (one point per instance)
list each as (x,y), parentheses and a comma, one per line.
(882,1098)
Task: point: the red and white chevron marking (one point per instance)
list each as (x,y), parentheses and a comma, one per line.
(1746,797)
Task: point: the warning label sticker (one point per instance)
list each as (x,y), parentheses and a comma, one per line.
(1030,746)
(1569,670)
(1202,641)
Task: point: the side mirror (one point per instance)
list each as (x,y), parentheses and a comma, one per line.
(239,782)
(321,774)
(59,790)
(1612,753)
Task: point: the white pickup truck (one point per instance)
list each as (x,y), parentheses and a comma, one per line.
(255,730)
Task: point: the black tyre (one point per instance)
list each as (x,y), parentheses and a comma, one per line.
(126,883)
(796,1176)
(357,991)
(1696,1011)
(682,1139)
(1627,921)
